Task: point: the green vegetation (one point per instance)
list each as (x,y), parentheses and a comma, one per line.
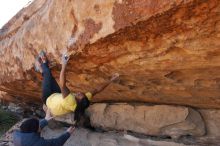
(7,120)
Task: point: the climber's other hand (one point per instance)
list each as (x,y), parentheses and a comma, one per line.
(65,58)
(70,130)
(114,77)
(48,116)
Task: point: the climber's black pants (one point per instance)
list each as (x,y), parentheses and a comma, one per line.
(49,84)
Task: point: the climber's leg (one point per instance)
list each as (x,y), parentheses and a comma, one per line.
(49,84)
(55,86)
(46,83)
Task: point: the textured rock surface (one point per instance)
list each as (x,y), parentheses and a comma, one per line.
(83,137)
(156,120)
(68,118)
(212,121)
(166,51)
(88,138)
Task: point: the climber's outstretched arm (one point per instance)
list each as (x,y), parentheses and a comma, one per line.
(104,85)
(64,89)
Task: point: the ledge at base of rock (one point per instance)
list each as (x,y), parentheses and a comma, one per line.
(85,137)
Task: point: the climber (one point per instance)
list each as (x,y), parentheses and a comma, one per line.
(59,99)
(29,133)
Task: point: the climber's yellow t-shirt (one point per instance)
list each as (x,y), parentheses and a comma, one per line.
(60,106)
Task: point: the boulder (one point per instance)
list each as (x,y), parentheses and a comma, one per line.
(157,120)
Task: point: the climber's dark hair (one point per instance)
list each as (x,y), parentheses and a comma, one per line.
(30,125)
(82,105)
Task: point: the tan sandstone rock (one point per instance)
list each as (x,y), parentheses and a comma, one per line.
(167,51)
(159,120)
(67,118)
(212,121)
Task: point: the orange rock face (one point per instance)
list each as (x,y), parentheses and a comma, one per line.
(165,51)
